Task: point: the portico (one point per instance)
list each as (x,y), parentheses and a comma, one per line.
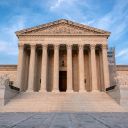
(62,56)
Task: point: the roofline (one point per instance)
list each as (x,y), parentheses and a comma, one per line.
(8,64)
(20,32)
(122,65)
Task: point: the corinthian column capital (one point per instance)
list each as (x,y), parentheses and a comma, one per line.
(69,46)
(44,46)
(80,46)
(92,46)
(32,45)
(56,46)
(104,46)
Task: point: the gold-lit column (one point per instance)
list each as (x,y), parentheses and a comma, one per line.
(105,66)
(56,69)
(69,68)
(20,66)
(31,68)
(81,69)
(44,69)
(93,68)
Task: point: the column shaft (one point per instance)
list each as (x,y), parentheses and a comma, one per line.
(56,69)
(105,66)
(93,68)
(81,69)
(31,69)
(69,68)
(20,66)
(44,69)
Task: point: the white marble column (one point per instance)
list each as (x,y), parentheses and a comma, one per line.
(20,66)
(93,68)
(56,69)
(44,69)
(31,68)
(69,68)
(101,71)
(81,69)
(105,66)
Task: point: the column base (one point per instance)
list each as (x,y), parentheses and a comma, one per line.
(82,91)
(69,91)
(95,90)
(30,91)
(42,91)
(55,91)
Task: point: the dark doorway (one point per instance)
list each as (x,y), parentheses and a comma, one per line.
(62,81)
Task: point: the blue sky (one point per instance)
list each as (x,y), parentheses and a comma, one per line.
(110,15)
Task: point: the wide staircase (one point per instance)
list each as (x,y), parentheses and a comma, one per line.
(62,102)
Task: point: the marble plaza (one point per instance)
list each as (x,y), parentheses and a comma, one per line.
(63,120)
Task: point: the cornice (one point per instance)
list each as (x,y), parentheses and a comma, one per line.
(62,35)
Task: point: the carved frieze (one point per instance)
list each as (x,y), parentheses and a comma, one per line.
(62,29)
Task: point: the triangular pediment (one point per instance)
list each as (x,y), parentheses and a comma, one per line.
(62,27)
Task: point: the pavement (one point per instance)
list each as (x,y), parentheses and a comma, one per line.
(64,120)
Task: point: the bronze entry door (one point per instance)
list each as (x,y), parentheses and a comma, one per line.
(62,81)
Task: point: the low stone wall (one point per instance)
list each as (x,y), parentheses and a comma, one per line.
(120,93)
(124,95)
(115,94)
(6,93)
(10,70)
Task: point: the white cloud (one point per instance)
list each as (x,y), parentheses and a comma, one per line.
(123,53)
(122,56)
(116,20)
(2,46)
(9,49)
(8,40)
(4,2)
(56,4)
(69,9)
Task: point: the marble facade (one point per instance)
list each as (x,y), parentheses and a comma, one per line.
(62,56)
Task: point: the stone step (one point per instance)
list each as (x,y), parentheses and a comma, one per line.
(33,102)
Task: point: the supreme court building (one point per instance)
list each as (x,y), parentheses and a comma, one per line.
(62,56)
